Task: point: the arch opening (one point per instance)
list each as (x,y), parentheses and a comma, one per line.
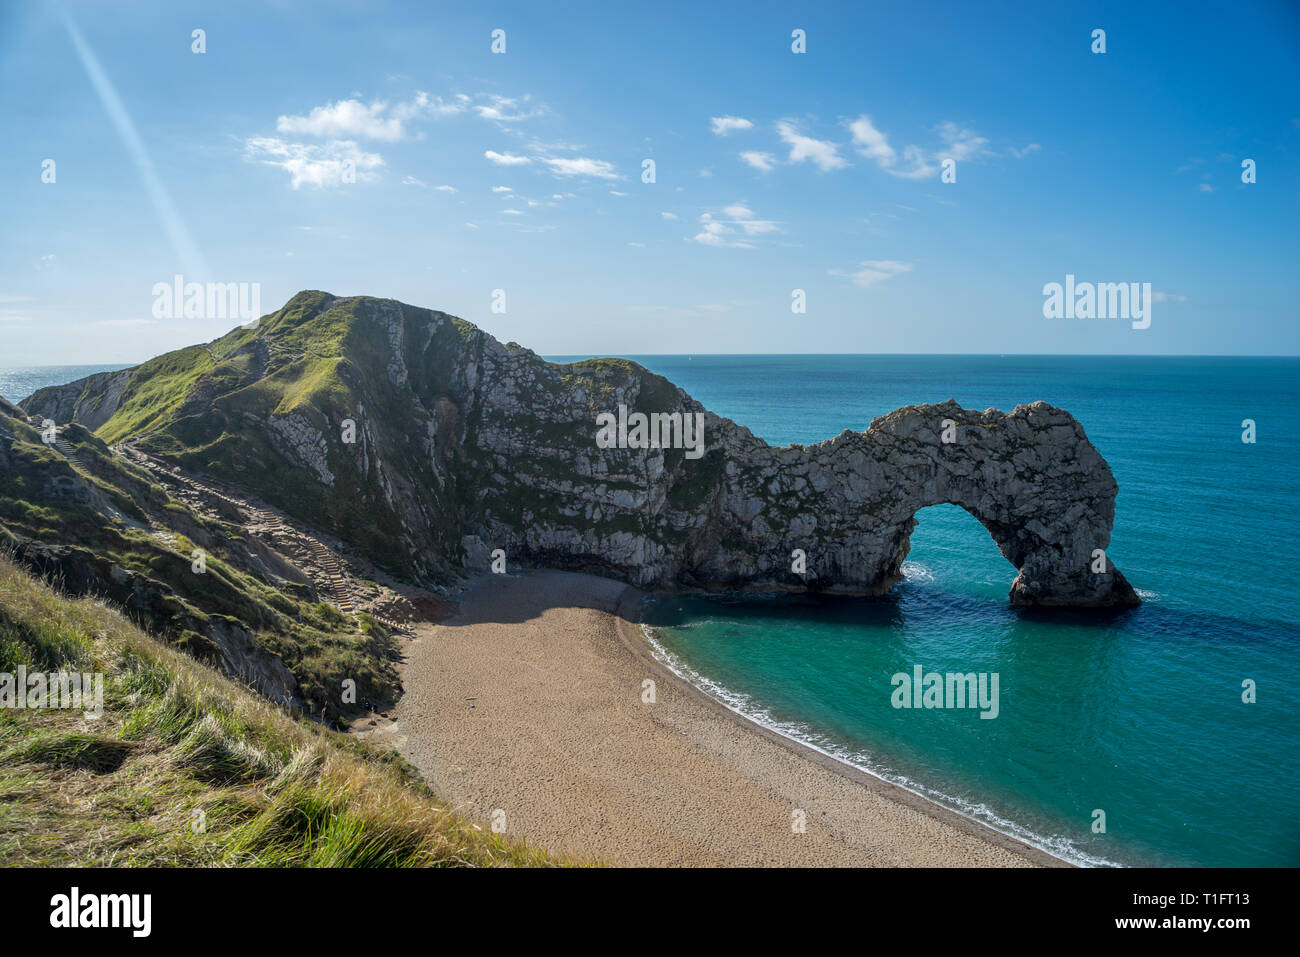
(948,547)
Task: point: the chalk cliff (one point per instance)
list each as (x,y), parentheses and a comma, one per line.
(428,444)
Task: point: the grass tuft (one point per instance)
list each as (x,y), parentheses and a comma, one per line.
(186,768)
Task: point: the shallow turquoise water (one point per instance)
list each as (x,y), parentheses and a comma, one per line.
(1140,716)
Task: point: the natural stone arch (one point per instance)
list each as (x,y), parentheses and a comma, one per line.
(1031,478)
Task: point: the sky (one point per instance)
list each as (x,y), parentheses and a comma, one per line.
(385,149)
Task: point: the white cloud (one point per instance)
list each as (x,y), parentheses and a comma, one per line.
(580,166)
(413,181)
(722,125)
(506,159)
(371,121)
(502,189)
(345,118)
(872,271)
(1205,188)
(959,144)
(822,152)
(1021,154)
(445,189)
(505,109)
(312,165)
(637,245)
(732,226)
(874,145)
(614,192)
(668,215)
(513,212)
(1168,297)
(759,160)
(962,144)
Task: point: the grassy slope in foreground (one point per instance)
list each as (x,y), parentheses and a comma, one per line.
(176,738)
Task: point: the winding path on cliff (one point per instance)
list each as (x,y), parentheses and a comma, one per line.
(529,702)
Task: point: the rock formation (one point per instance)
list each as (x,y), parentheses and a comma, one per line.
(429,445)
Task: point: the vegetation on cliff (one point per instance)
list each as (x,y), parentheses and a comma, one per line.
(186,768)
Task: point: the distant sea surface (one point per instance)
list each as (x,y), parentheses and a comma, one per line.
(18,382)
(1141,717)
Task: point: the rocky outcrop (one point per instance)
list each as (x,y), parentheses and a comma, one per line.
(217,640)
(463,445)
(91,401)
(833,517)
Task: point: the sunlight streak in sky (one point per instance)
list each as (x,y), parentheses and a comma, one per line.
(190,259)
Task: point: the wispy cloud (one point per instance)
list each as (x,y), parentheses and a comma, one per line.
(371,121)
(915,162)
(874,145)
(580,166)
(759,160)
(824,153)
(311,165)
(961,144)
(871,271)
(507,109)
(733,226)
(724,125)
(506,159)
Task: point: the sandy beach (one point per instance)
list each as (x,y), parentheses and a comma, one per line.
(529,702)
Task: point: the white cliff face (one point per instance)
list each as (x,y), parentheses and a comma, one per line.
(465,445)
(301,443)
(546,493)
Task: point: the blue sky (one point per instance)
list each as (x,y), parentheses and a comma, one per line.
(522,171)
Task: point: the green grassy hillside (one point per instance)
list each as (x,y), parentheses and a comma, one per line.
(185,768)
(99,533)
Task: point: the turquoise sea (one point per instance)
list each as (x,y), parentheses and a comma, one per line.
(1139,716)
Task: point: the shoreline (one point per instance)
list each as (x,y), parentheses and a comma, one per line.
(629,627)
(527,705)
